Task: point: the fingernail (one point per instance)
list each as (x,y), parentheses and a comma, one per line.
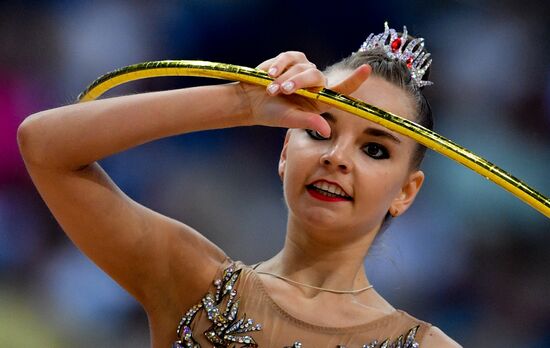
(288,86)
(273,88)
(272,71)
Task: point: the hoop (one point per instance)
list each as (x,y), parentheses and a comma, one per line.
(422,135)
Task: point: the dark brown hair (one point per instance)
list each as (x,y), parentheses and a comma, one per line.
(396,72)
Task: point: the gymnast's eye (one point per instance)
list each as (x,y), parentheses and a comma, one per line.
(315,135)
(376,151)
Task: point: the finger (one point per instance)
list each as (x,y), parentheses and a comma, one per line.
(284,61)
(265,64)
(301,76)
(353,81)
(295,70)
(273,88)
(296,118)
(297,78)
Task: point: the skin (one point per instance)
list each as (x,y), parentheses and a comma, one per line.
(143,251)
(326,242)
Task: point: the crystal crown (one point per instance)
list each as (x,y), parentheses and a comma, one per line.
(397,46)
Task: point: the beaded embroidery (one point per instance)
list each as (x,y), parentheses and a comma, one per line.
(400,342)
(228,331)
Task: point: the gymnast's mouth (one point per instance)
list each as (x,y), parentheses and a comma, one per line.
(329,189)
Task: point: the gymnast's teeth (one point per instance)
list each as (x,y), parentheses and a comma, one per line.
(330,190)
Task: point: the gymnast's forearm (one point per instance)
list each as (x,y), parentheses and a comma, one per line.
(74,136)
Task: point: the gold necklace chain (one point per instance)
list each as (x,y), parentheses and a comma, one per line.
(355,291)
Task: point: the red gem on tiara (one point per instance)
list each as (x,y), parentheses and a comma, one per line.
(395,44)
(398,46)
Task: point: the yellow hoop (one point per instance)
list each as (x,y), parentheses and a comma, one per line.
(393,122)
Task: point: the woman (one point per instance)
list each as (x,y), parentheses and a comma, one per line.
(343,178)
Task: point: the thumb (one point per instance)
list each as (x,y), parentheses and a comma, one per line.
(353,81)
(307,120)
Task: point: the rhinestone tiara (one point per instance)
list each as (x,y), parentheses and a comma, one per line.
(396,46)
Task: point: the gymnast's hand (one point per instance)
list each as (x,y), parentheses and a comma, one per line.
(277,106)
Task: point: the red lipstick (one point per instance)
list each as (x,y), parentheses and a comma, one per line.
(316,194)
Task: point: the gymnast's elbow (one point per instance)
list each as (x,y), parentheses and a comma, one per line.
(31,139)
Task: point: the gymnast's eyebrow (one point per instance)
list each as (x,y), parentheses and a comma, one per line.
(381,133)
(329,117)
(376,132)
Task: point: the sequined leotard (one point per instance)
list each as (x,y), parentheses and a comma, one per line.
(238,312)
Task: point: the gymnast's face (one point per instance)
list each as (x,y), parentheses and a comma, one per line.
(366,167)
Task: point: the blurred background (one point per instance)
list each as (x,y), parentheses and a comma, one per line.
(468,257)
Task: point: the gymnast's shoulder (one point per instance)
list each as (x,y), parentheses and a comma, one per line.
(437,338)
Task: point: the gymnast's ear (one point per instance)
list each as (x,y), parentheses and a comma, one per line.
(282,159)
(408,193)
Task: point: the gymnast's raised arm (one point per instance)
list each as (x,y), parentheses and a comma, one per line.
(141,249)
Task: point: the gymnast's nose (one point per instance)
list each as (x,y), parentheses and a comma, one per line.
(337,157)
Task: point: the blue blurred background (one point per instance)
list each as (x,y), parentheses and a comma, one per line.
(468,257)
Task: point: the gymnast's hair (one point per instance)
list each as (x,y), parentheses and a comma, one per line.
(396,72)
